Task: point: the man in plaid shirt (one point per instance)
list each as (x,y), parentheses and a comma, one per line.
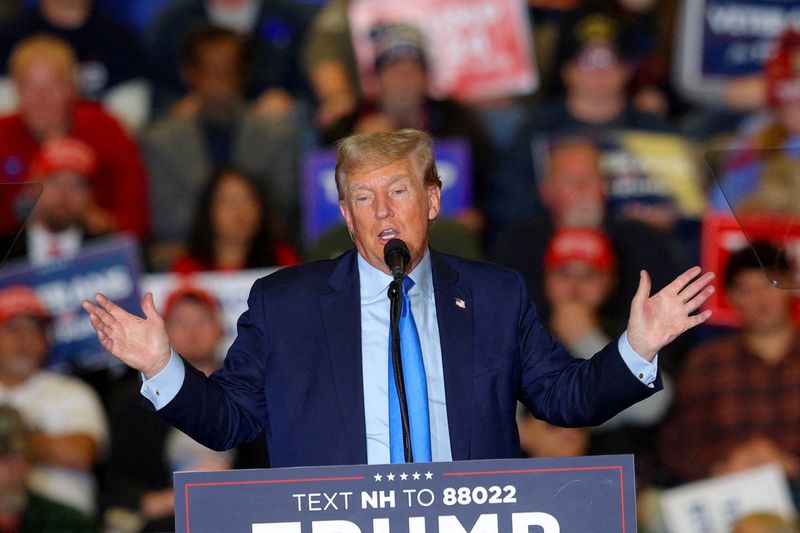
(737,402)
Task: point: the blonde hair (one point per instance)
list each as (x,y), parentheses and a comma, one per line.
(42,46)
(367,151)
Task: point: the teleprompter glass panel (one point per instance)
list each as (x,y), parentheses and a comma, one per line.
(761,188)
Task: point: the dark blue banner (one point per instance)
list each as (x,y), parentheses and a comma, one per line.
(738,36)
(576,494)
(110,266)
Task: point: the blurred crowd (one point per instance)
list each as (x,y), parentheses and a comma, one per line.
(188,124)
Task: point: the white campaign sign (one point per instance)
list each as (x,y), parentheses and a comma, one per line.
(713,505)
(230,288)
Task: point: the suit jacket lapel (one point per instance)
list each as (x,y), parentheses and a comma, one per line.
(456,330)
(341,314)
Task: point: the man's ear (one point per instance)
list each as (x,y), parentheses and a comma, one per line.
(434,201)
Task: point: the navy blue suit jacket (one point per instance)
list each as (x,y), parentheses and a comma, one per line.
(294,370)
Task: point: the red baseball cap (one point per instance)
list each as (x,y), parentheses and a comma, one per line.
(64,155)
(586,245)
(782,70)
(21,300)
(203,297)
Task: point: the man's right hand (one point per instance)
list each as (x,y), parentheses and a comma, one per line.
(141,344)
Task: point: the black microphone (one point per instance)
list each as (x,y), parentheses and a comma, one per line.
(396,255)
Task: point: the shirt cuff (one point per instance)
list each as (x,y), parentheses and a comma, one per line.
(644,370)
(164,386)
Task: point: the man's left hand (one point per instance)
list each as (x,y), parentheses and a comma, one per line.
(657,320)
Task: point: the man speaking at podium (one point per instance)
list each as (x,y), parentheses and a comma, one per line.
(311,364)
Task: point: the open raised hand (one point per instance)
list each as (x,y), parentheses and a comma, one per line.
(657,320)
(140,343)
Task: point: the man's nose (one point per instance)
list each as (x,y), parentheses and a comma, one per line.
(382,207)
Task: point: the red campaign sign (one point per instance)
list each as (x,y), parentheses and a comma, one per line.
(476,49)
(722,235)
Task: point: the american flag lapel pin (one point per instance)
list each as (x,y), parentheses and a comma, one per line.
(461,304)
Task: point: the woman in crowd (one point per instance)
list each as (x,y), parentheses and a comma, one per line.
(232,229)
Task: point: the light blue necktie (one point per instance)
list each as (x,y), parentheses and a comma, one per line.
(416,389)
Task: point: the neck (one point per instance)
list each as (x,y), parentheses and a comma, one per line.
(595,110)
(230,253)
(770,345)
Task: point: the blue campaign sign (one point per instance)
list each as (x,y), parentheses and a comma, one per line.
(738,35)
(497,496)
(717,40)
(110,266)
(321,201)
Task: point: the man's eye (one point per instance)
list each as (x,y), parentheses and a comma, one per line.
(397,192)
(362,198)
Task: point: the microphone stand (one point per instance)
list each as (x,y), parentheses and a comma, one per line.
(395,308)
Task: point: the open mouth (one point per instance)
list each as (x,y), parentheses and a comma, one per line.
(388,234)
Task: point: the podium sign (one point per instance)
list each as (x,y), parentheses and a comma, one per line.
(506,495)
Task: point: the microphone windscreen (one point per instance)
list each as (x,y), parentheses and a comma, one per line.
(395,253)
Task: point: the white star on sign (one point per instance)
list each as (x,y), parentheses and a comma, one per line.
(390,477)
(378,477)
(428,475)
(403,476)
(416,476)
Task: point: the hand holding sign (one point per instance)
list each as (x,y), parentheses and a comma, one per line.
(139,343)
(657,320)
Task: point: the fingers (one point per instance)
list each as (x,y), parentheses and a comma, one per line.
(110,307)
(679,283)
(103,332)
(691,290)
(104,323)
(97,323)
(88,306)
(699,299)
(698,291)
(103,316)
(696,320)
(100,325)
